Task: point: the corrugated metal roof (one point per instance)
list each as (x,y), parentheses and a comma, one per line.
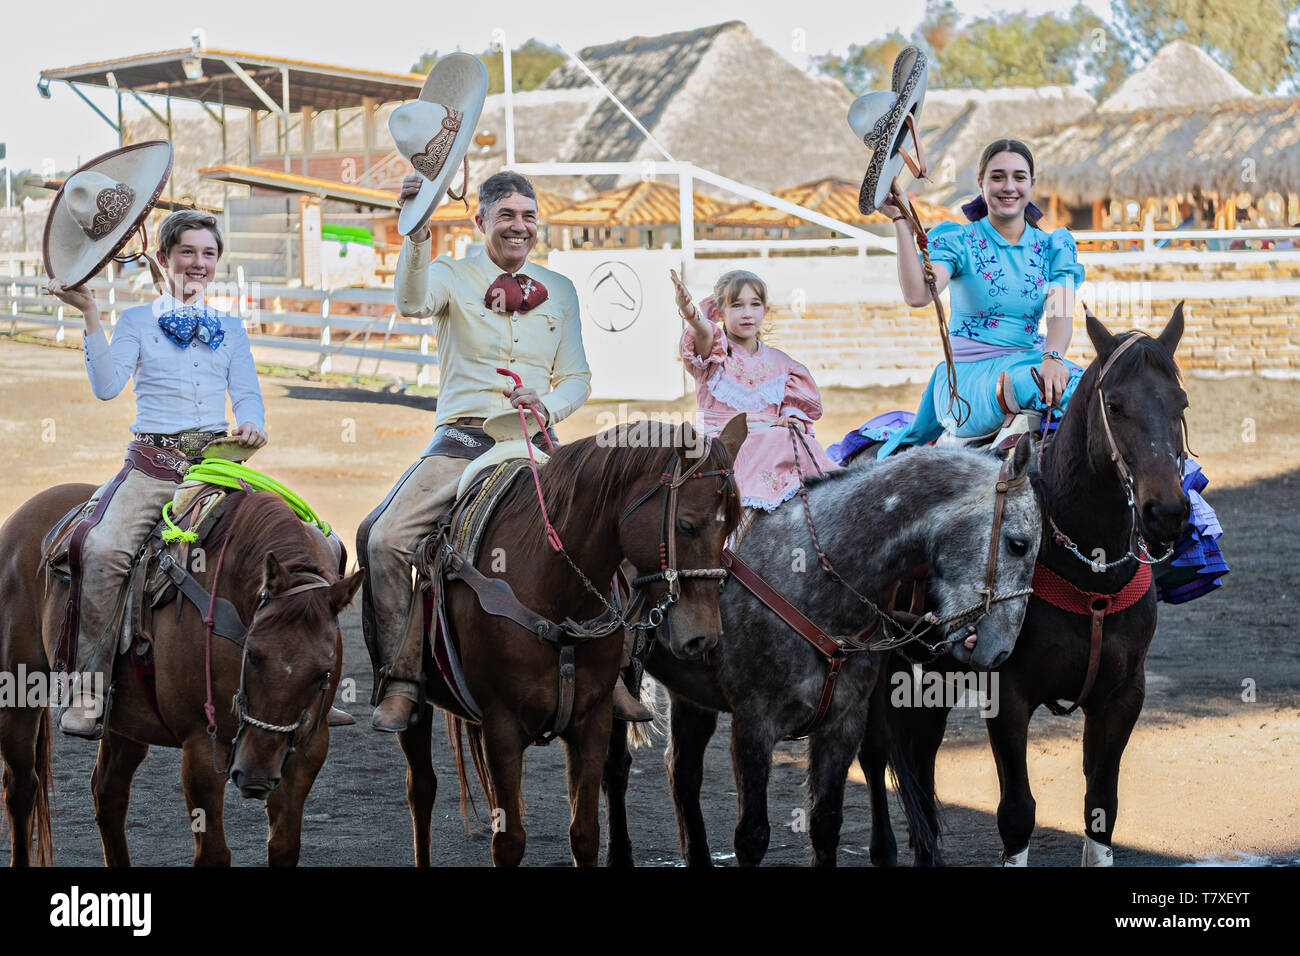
(306,185)
(320,86)
(836,198)
(649,203)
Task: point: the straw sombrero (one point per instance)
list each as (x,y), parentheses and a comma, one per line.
(101,206)
(880,120)
(434,132)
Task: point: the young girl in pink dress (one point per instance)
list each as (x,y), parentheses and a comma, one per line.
(736,372)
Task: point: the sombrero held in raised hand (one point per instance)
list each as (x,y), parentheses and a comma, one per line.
(885,120)
(434,132)
(100,207)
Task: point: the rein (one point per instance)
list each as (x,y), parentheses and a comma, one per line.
(947,625)
(958,407)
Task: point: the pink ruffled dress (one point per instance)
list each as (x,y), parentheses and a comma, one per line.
(765,386)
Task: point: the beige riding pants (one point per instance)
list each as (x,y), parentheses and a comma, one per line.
(106,558)
(413,507)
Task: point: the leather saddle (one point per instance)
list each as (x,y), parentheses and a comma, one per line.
(449,553)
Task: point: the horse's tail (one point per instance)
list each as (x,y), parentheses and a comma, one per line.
(475,734)
(919,805)
(43,806)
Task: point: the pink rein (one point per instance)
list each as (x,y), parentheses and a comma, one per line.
(552,536)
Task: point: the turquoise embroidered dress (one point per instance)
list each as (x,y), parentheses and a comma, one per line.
(997,293)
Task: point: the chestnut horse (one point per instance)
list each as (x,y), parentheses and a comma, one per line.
(610,497)
(281,577)
(1110,481)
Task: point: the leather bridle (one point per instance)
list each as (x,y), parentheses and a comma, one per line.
(670,481)
(1141,553)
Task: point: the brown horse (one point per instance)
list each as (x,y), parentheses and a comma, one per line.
(280,576)
(609,498)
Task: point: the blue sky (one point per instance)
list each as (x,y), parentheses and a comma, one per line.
(64,131)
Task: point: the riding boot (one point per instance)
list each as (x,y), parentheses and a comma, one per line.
(337,717)
(626,706)
(403,678)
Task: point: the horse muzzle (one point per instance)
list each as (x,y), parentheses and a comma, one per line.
(254,786)
(1164,523)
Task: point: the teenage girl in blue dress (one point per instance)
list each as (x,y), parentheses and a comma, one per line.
(1006,275)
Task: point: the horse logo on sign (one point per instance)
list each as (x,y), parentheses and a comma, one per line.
(614,296)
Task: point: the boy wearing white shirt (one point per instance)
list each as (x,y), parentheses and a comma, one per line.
(183,358)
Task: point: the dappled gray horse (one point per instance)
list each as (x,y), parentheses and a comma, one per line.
(876,521)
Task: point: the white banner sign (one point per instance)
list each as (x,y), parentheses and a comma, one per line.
(630,326)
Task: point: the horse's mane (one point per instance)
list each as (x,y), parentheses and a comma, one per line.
(255,524)
(598,465)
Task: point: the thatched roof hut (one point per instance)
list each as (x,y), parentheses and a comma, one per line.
(837,198)
(1179,75)
(718,97)
(641,204)
(1246,146)
(956,125)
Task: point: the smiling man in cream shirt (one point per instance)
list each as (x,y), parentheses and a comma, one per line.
(493,310)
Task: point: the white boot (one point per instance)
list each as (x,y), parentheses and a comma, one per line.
(1097,854)
(1020,859)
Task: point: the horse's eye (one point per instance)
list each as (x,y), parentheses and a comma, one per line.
(1115,408)
(323,679)
(685,527)
(254,659)
(1018,546)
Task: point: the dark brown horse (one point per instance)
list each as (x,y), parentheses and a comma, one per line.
(281,577)
(608,500)
(1110,479)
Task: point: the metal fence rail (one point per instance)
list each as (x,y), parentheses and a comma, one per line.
(27,307)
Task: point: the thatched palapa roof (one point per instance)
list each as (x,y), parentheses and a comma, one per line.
(1250,146)
(717,97)
(640,204)
(1178,75)
(956,125)
(836,198)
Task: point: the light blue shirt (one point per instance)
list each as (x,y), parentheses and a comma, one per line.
(177,388)
(998,288)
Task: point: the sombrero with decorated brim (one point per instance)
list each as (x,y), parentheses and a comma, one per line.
(100,207)
(885,120)
(434,132)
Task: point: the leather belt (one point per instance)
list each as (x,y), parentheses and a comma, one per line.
(186,444)
(467,422)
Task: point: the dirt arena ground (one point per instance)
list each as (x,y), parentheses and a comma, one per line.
(1207,776)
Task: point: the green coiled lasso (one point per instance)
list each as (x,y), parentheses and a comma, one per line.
(229,474)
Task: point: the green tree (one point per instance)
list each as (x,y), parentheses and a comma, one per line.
(866,66)
(529,65)
(1257,41)
(1004,49)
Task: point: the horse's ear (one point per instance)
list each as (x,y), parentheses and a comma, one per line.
(733,436)
(686,434)
(344,590)
(273,574)
(1021,455)
(1102,340)
(1173,330)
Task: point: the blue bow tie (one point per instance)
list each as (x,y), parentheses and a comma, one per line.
(189,322)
